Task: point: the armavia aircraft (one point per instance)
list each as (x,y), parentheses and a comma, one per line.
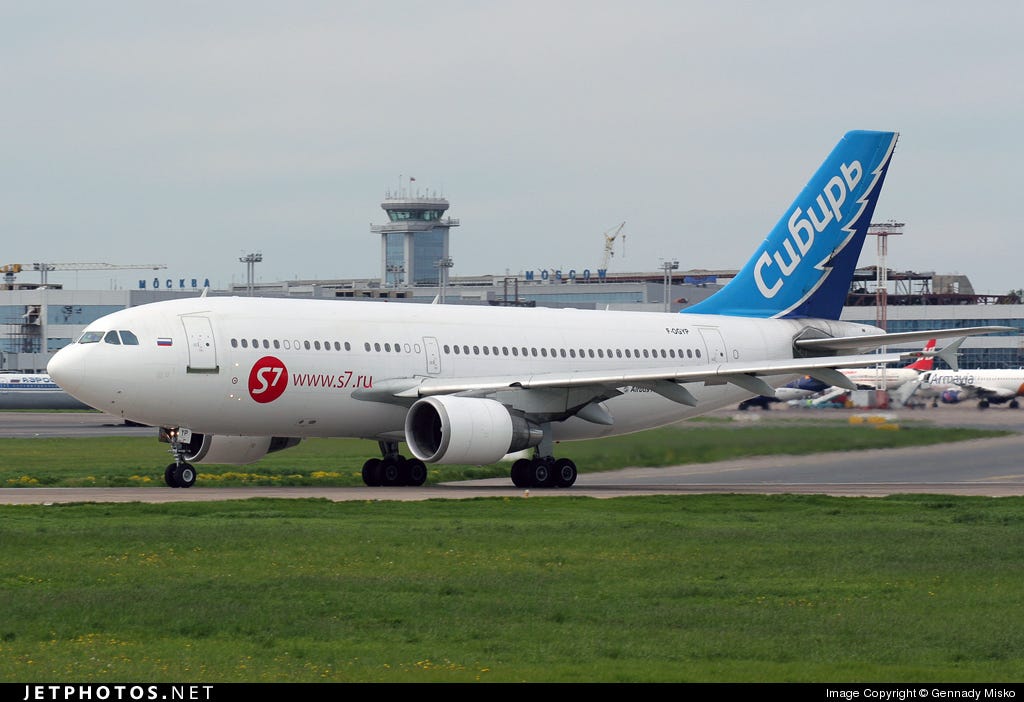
(229,380)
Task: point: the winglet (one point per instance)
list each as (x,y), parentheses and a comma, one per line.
(805,266)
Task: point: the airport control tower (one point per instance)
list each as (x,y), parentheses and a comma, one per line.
(414,243)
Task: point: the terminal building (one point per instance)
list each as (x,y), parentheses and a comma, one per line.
(415,260)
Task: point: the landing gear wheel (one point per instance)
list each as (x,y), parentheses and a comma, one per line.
(391,471)
(521,473)
(182,475)
(372,472)
(169,476)
(564,473)
(416,472)
(541,474)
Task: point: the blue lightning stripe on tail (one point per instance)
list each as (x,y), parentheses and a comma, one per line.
(805,266)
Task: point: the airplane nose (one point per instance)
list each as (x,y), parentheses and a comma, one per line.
(67,369)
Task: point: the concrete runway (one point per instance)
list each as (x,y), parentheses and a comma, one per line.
(989,467)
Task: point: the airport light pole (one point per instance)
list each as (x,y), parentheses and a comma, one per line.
(250,261)
(397,271)
(443,265)
(668,267)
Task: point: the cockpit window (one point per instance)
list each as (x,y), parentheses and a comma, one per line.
(112,338)
(90,337)
(128,338)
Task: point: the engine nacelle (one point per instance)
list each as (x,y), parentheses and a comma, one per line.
(234,450)
(951,396)
(471,430)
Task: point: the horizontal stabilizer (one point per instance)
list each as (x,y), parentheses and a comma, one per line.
(950,353)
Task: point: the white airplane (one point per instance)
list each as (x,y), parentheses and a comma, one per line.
(228,380)
(987,385)
(34,391)
(870,378)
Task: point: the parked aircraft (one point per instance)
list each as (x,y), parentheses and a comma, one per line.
(229,380)
(34,391)
(987,385)
(808,387)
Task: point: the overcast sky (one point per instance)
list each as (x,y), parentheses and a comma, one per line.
(191,133)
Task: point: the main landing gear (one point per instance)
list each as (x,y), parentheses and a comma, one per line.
(546,471)
(393,469)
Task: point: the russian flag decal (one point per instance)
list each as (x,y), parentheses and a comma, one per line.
(163,341)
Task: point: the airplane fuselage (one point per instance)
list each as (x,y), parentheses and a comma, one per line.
(244,366)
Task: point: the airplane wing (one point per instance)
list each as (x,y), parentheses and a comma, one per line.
(876,340)
(581,388)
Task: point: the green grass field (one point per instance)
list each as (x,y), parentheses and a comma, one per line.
(659,589)
(701,588)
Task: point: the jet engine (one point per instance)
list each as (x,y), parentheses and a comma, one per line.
(234,450)
(951,396)
(476,431)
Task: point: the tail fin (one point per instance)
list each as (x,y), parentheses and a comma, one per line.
(927,361)
(805,266)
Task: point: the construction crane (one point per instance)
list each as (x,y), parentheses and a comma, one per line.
(609,244)
(11,269)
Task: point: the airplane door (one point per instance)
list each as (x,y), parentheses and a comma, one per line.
(202,350)
(714,344)
(433,354)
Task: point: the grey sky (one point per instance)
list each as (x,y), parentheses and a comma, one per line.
(191,133)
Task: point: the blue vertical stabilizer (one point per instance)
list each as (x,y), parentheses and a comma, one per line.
(805,265)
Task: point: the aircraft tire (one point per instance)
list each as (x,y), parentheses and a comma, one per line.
(184,475)
(372,472)
(391,471)
(169,476)
(564,473)
(415,472)
(541,473)
(521,473)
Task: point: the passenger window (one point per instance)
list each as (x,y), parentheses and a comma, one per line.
(112,338)
(129,339)
(245,343)
(234,343)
